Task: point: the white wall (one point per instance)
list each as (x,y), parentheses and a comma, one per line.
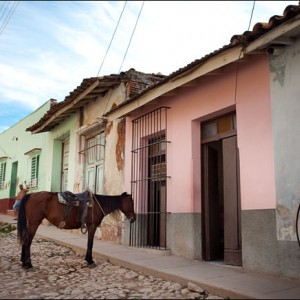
(285,91)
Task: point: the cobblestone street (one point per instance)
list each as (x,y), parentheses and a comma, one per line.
(59,273)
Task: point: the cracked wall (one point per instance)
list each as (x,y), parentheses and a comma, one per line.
(285,90)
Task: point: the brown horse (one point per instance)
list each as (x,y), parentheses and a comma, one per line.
(37,206)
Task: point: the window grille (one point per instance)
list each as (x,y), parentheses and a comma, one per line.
(34,171)
(2,174)
(149,179)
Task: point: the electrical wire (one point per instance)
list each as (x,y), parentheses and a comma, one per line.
(235,93)
(4,8)
(238,61)
(251,15)
(126,52)
(3,4)
(111,39)
(8,17)
(132,35)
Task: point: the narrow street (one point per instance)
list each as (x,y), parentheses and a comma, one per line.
(59,273)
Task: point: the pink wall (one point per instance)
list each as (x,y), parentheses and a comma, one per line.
(254,127)
(212,96)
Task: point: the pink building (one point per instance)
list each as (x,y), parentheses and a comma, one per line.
(200,154)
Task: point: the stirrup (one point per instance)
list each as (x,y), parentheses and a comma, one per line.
(83,229)
(62,224)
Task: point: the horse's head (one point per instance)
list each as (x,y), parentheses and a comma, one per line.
(127,207)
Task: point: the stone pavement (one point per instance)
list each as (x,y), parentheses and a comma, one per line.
(60,273)
(221,280)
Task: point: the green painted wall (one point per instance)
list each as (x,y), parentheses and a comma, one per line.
(14,143)
(64,131)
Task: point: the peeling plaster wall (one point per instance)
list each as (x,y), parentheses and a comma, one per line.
(92,114)
(285,91)
(97,108)
(114,157)
(111,228)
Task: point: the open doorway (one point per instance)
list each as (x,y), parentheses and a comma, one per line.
(220,192)
(13,180)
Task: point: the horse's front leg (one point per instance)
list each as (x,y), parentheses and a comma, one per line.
(91,234)
(23,254)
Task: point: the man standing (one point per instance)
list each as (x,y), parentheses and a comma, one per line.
(19,197)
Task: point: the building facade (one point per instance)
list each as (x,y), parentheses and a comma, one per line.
(209,158)
(23,157)
(85,150)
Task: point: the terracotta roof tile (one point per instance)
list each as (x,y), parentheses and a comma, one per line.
(244,39)
(261,28)
(136,82)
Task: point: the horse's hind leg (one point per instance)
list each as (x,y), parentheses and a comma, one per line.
(25,256)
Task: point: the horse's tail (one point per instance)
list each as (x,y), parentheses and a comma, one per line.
(22,220)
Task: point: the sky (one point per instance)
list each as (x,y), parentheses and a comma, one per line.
(48,47)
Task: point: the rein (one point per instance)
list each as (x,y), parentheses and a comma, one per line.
(94,199)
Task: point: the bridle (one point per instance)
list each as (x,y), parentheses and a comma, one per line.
(94,199)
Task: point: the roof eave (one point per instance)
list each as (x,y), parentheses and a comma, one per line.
(282,35)
(65,108)
(204,67)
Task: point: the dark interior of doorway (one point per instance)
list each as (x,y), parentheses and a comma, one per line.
(156,199)
(213,222)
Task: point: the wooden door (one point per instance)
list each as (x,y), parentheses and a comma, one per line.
(65,166)
(221,201)
(232,233)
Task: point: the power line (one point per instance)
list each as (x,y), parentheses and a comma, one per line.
(251,15)
(238,61)
(126,49)
(5,4)
(8,17)
(131,36)
(111,39)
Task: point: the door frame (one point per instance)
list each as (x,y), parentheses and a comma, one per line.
(220,192)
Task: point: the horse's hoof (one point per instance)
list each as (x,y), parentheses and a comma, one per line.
(92,265)
(27,266)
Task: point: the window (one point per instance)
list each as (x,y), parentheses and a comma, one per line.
(2,174)
(93,152)
(219,127)
(33,160)
(34,171)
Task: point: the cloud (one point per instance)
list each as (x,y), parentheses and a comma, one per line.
(49,47)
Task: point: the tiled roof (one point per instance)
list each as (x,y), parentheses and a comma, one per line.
(260,29)
(139,88)
(137,81)
(244,39)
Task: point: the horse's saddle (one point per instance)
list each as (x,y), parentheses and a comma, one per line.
(81,200)
(68,198)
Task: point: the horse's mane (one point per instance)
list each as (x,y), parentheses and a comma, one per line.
(109,202)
